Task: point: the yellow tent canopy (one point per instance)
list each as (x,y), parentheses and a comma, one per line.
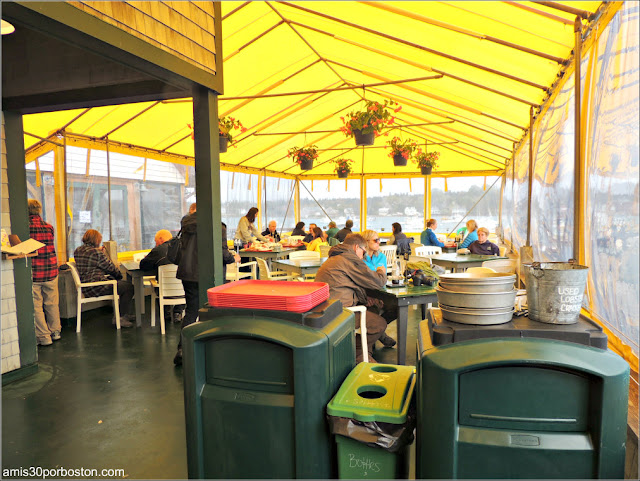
(466,74)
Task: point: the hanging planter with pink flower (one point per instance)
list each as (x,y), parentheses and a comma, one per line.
(225,126)
(343,167)
(304,156)
(365,125)
(401,150)
(426,161)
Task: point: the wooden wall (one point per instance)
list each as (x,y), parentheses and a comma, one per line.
(185,29)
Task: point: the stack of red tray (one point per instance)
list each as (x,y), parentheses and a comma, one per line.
(271,295)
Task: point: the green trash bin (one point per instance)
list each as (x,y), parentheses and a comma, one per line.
(371,418)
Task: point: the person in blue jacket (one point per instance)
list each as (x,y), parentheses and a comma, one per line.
(472,236)
(374,259)
(428,236)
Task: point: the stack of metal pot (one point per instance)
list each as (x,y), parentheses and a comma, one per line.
(477,298)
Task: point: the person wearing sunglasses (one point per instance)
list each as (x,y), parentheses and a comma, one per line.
(374,259)
(348,278)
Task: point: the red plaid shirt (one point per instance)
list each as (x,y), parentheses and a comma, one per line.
(44,267)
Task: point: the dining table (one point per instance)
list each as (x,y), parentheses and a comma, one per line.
(267,255)
(131,269)
(299,267)
(460,262)
(400,298)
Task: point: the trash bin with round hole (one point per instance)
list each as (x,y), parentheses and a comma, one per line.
(373,418)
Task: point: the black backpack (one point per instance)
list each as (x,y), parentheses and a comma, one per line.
(174,251)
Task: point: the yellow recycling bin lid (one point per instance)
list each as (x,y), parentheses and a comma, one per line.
(375,392)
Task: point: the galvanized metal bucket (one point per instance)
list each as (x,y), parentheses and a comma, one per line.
(555,290)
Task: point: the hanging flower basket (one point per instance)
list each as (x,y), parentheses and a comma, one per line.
(343,167)
(401,150)
(306,164)
(304,156)
(426,161)
(224,141)
(225,126)
(367,124)
(399,160)
(363,139)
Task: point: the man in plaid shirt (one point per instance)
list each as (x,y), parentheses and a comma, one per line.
(44,274)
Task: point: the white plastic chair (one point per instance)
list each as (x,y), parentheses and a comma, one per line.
(324,250)
(390,253)
(86,300)
(426,251)
(413,246)
(363,330)
(268,274)
(235,274)
(170,292)
(304,255)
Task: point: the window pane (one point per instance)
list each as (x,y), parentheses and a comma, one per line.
(279,203)
(239,193)
(395,200)
(339,203)
(449,208)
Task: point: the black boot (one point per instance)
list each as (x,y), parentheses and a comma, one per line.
(178,359)
(387,341)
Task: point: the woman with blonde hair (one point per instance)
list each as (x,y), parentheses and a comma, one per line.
(472,234)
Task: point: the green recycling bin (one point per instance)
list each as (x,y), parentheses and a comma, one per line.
(371,418)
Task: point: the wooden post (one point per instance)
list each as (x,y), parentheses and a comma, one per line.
(207,164)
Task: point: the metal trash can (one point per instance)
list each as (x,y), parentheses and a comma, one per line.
(555,291)
(373,418)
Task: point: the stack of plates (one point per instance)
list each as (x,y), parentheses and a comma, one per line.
(271,295)
(479,298)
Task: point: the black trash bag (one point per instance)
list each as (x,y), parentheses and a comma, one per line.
(388,436)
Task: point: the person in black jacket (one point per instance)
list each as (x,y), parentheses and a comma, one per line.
(342,233)
(272,231)
(309,237)
(188,274)
(188,271)
(299,229)
(158,257)
(227,256)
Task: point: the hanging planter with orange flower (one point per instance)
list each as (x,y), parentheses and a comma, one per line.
(343,167)
(225,126)
(401,150)
(304,156)
(365,125)
(426,161)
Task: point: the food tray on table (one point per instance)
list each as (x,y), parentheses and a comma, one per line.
(271,295)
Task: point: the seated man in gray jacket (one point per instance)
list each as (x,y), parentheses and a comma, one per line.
(348,278)
(158,257)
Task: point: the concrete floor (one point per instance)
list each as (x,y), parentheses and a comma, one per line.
(109,399)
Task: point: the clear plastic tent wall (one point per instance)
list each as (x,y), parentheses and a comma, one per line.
(553,179)
(611,127)
(610,123)
(520,196)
